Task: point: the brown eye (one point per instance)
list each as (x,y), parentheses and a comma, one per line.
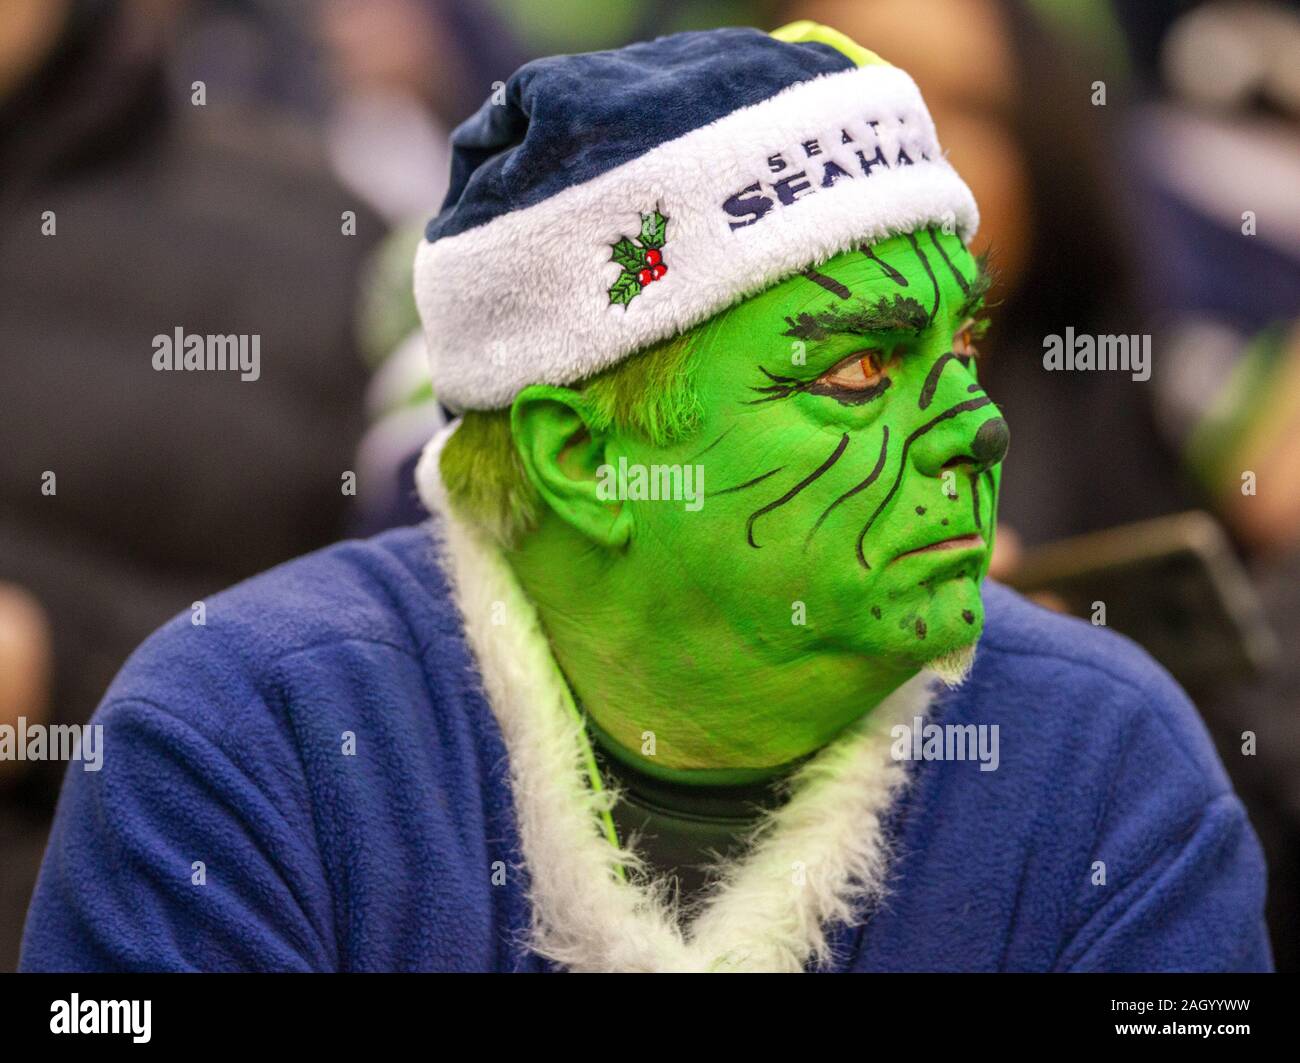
(963,341)
(858,372)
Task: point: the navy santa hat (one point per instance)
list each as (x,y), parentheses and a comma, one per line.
(601,203)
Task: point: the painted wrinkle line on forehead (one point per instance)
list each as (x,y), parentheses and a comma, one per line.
(929,272)
(812,476)
(962,282)
(829,283)
(889,270)
(973,289)
(902,314)
(948,414)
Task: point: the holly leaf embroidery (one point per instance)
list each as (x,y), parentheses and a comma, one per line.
(628,255)
(653,227)
(625,289)
(640,258)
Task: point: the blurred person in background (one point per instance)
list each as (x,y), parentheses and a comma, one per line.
(127,493)
(1216,138)
(402,74)
(1218,151)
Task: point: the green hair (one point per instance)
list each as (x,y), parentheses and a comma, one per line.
(650,394)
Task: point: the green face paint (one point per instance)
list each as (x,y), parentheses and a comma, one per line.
(849,458)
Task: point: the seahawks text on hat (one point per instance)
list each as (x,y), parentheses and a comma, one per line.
(846,153)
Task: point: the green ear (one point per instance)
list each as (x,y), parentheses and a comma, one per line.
(562,457)
(807,30)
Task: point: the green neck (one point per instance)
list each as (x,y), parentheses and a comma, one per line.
(701,778)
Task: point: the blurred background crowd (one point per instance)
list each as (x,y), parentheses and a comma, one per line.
(193,163)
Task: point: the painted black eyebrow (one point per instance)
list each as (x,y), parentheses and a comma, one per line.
(902,313)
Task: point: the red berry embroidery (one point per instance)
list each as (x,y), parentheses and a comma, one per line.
(641,258)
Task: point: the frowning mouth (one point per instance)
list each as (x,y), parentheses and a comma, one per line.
(960,542)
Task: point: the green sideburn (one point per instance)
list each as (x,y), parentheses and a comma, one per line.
(719,638)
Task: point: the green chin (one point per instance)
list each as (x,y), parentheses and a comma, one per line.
(929,605)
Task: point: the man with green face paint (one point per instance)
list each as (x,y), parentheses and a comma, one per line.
(850,458)
(699,664)
(851,463)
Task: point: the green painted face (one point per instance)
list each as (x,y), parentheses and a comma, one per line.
(849,456)
(849,461)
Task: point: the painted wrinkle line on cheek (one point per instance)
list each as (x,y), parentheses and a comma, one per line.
(714,443)
(932,379)
(952,411)
(975,501)
(862,486)
(749,483)
(812,476)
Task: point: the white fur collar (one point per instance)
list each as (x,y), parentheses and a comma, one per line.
(820,859)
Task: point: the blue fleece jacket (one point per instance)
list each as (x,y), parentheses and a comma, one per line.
(223,764)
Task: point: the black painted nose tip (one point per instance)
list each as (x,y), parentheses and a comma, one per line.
(991,442)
